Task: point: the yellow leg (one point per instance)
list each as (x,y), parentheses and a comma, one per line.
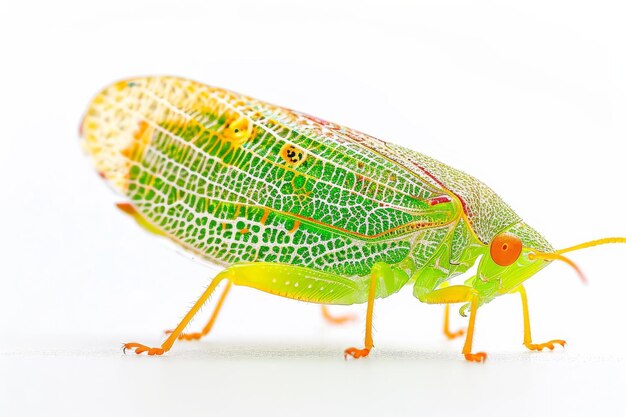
(460,294)
(207,328)
(446,320)
(167,345)
(336,319)
(528,341)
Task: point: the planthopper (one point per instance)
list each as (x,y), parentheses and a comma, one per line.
(303,208)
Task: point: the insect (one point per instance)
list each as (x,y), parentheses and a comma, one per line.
(306,209)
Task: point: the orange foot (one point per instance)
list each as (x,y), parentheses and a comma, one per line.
(542,346)
(187,336)
(356,353)
(139,349)
(476,357)
(346,318)
(450,335)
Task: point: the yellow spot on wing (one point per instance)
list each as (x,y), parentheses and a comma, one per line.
(292,156)
(238,130)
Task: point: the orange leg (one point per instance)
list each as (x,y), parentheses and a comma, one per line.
(528,341)
(336,319)
(282,279)
(467,348)
(446,320)
(167,345)
(446,325)
(460,294)
(207,328)
(379,270)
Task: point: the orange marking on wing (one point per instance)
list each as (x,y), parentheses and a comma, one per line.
(141,139)
(244,231)
(295,227)
(266,214)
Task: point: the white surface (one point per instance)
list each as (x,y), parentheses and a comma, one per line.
(289,379)
(530,97)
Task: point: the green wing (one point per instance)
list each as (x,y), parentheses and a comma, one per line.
(235,179)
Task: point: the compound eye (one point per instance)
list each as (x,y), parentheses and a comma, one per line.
(505,249)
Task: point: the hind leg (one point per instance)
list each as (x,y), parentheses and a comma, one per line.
(207,328)
(326,314)
(294,282)
(167,344)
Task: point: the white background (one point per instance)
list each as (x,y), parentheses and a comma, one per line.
(530,97)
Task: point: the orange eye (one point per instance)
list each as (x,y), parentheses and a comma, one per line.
(505,249)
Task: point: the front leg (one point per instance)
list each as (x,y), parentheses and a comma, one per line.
(446,320)
(460,294)
(528,341)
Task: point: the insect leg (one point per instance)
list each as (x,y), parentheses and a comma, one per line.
(528,342)
(467,347)
(459,294)
(167,345)
(300,283)
(446,320)
(382,271)
(207,328)
(332,319)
